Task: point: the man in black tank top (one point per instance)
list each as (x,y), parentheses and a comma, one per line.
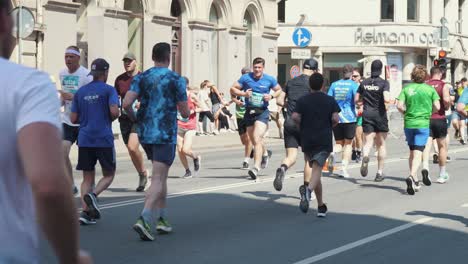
(294,89)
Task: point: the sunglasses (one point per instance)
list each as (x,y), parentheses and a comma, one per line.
(355,76)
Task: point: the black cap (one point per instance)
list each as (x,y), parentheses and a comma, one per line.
(98,66)
(376,68)
(310,64)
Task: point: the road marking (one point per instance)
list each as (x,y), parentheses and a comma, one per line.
(464,205)
(361,242)
(242,184)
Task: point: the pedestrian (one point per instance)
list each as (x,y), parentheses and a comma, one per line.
(344,92)
(256,87)
(94,107)
(375,94)
(127,127)
(458,121)
(438,126)
(72,78)
(186,130)
(217,103)
(417,101)
(241,125)
(315,114)
(34,186)
(293,90)
(205,111)
(162,95)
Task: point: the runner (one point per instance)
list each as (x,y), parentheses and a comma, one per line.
(344,92)
(375,94)
(294,90)
(162,93)
(241,126)
(187,128)
(255,87)
(34,188)
(438,126)
(458,121)
(127,127)
(462,106)
(417,101)
(94,107)
(359,137)
(315,114)
(71,79)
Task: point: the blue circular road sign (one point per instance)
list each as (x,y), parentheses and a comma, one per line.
(302,37)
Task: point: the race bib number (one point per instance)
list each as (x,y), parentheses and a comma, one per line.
(70,83)
(256,100)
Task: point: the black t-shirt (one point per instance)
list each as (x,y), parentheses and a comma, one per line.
(295,89)
(372,95)
(316,111)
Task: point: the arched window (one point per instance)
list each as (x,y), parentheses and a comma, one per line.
(214,51)
(248,24)
(176,11)
(135,29)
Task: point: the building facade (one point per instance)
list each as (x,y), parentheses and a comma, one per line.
(211,39)
(401,33)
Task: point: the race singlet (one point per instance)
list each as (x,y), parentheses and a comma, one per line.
(256,100)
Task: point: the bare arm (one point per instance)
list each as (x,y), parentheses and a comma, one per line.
(335,119)
(446,97)
(236,90)
(129,99)
(56,211)
(74,118)
(357,98)
(386,95)
(114,112)
(281,99)
(183,109)
(435,106)
(461,109)
(401,107)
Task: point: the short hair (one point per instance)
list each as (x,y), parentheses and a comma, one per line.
(203,84)
(316,81)
(161,52)
(258,60)
(348,71)
(419,74)
(463,79)
(436,70)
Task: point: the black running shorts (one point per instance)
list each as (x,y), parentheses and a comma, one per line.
(70,133)
(344,131)
(292,136)
(438,128)
(88,157)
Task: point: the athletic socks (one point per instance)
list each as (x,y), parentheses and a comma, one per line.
(162,213)
(442,170)
(148,215)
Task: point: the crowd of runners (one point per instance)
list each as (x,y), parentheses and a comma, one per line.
(158,110)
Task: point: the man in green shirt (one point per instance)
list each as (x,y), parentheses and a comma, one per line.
(417,101)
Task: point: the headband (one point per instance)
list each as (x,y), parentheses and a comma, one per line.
(72,51)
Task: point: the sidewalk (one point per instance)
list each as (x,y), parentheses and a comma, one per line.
(200,143)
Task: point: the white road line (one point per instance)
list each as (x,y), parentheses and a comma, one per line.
(361,242)
(242,184)
(464,205)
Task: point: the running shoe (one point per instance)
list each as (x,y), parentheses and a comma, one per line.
(143,229)
(75,190)
(93,208)
(187,175)
(379,177)
(322,211)
(142,181)
(305,198)
(163,226)
(410,189)
(353,155)
(435,159)
(266,159)
(278,182)
(85,219)
(253,173)
(358,156)
(331,164)
(364,166)
(252,154)
(196,164)
(245,165)
(449,159)
(462,141)
(417,186)
(426,179)
(344,174)
(443,178)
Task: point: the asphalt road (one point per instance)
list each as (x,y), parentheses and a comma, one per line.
(222,217)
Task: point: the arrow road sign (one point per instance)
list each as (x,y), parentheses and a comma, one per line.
(301,37)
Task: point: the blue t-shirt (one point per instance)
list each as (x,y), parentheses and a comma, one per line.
(464,98)
(91,103)
(259,88)
(344,92)
(159,90)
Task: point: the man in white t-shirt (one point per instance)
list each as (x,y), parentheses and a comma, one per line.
(34,192)
(72,78)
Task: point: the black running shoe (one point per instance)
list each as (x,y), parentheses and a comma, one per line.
(379,177)
(266,159)
(322,211)
(278,182)
(435,159)
(85,219)
(245,165)
(364,166)
(253,173)
(93,208)
(462,141)
(410,189)
(304,203)
(196,164)
(354,155)
(426,179)
(142,181)
(75,190)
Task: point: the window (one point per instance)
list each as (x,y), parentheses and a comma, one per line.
(412,10)
(387,10)
(460,15)
(282,11)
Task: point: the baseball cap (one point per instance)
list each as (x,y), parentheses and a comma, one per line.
(129,56)
(98,66)
(310,64)
(376,68)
